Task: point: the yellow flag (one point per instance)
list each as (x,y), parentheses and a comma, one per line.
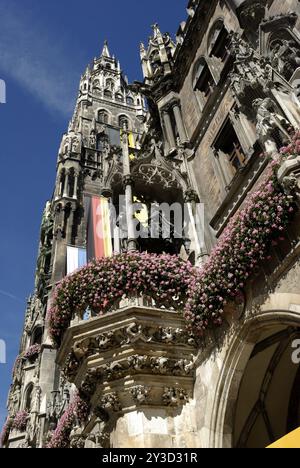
(131,141)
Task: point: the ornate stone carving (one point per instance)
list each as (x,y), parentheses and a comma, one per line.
(174,396)
(160,365)
(128,180)
(184,366)
(191,196)
(132,334)
(140,394)
(111,402)
(269,119)
(251,15)
(156,175)
(285,57)
(16,399)
(77,439)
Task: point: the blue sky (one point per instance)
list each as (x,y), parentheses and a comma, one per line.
(44,48)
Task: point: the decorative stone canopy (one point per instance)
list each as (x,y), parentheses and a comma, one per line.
(137,356)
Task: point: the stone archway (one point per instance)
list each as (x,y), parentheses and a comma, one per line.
(275,325)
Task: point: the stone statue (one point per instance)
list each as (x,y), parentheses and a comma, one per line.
(75,145)
(36,399)
(16,399)
(93,140)
(285,57)
(268,119)
(140,394)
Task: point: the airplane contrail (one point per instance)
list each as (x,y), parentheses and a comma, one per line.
(10,296)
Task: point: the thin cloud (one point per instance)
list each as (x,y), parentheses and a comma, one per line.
(10,296)
(36,60)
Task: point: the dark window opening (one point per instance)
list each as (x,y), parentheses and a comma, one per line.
(205,82)
(37,336)
(28,398)
(103,117)
(174,125)
(228,143)
(108,93)
(155,60)
(220,47)
(102,142)
(123,122)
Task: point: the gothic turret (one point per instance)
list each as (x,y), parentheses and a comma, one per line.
(157,59)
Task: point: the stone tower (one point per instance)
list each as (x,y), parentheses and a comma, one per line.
(89,158)
(156,323)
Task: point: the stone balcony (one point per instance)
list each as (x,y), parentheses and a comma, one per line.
(135,365)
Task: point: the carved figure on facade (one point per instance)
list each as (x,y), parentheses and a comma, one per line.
(140,394)
(268,120)
(285,57)
(111,402)
(174,396)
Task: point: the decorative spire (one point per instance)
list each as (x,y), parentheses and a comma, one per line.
(156,30)
(105,51)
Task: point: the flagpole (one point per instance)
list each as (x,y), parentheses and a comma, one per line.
(128,183)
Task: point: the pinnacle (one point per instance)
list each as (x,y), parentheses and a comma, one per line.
(105,51)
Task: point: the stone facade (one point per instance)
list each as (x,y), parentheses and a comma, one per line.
(222,94)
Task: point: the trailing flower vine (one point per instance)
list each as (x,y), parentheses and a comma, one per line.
(201,294)
(6,431)
(101,284)
(17,422)
(32,352)
(293,149)
(77,411)
(242,246)
(20,421)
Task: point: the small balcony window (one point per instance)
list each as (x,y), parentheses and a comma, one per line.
(230,151)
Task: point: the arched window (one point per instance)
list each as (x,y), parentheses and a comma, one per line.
(229,152)
(123,122)
(110,84)
(129,101)
(155,60)
(119,97)
(108,93)
(37,336)
(103,117)
(28,398)
(219,41)
(284,51)
(102,142)
(203,82)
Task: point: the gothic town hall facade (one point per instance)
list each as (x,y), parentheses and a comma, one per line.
(191,341)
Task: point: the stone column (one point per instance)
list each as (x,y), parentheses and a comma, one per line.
(76,175)
(191,199)
(59,245)
(169,130)
(58,188)
(179,123)
(66,188)
(128,184)
(70,224)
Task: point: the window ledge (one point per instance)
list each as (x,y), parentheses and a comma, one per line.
(240,186)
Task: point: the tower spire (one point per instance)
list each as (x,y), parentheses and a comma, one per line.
(105,51)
